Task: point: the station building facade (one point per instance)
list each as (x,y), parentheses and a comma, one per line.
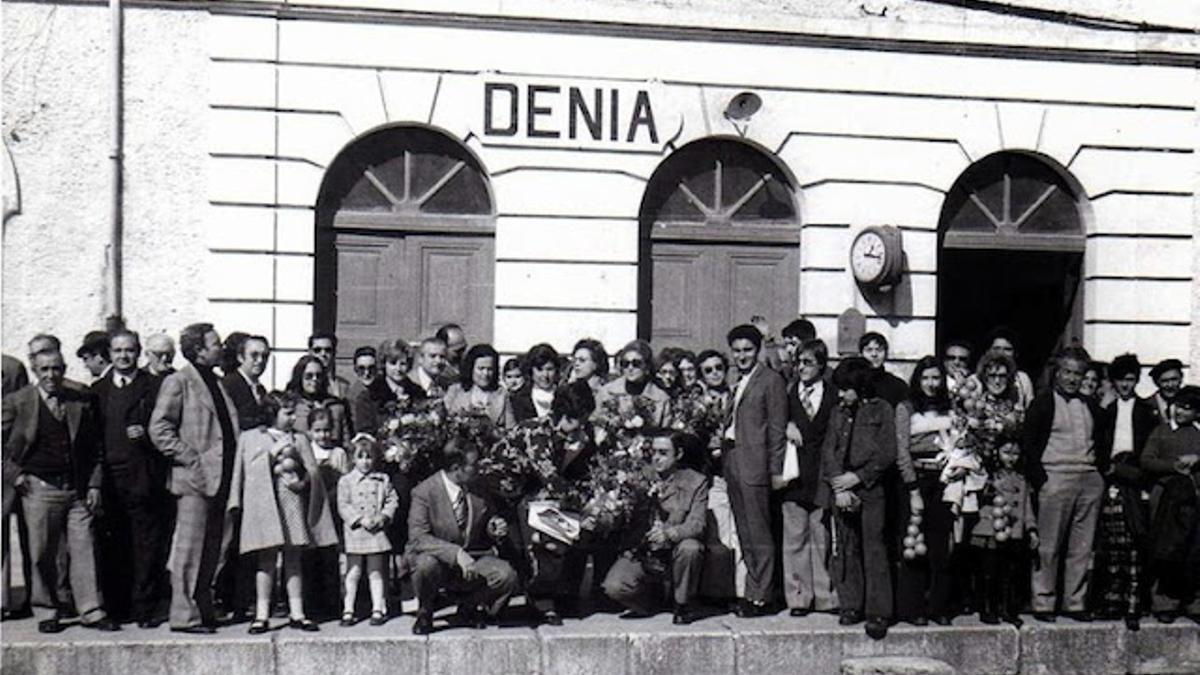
(544,171)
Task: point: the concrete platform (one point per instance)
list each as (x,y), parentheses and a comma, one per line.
(603,645)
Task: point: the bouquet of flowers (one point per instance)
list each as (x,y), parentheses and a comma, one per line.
(286,463)
(524,457)
(696,413)
(620,487)
(414,432)
(982,421)
(621,419)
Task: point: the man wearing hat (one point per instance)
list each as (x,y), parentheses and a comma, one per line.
(94,352)
(1168,377)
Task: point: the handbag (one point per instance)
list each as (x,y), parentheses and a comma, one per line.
(791,467)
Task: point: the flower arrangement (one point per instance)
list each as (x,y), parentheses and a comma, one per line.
(982,421)
(619,487)
(620,420)
(697,413)
(525,461)
(413,433)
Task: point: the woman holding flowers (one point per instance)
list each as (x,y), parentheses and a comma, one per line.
(478,391)
(284,508)
(925,580)
(633,395)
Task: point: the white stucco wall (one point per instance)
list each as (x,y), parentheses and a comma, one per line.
(57,126)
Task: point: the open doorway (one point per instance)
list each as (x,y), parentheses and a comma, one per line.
(1035,293)
(1010,253)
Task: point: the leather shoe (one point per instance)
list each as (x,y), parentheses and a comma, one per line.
(306,625)
(943,620)
(1166,617)
(1044,617)
(683,615)
(106,624)
(849,617)
(472,618)
(16,614)
(798,611)
(989,618)
(749,610)
(194,630)
(51,626)
(258,627)
(423,625)
(877,628)
(550,618)
(1083,616)
(918,621)
(151,623)
(1132,623)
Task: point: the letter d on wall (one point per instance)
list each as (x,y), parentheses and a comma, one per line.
(489,109)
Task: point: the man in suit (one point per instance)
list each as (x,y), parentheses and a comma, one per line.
(805,542)
(160,355)
(244,386)
(430,374)
(135,486)
(456,345)
(324,347)
(52,460)
(451,544)
(15,378)
(670,548)
(1066,448)
(755,442)
(795,334)
(195,425)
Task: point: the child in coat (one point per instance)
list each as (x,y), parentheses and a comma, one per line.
(284,507)
(321,566)
(1002,539)
(367,503)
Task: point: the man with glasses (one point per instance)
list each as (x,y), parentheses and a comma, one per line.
(956,360)
(366,370)
(324,347)
(755,442)
(244,384)
(160,355)
(1066,445)
(806,582)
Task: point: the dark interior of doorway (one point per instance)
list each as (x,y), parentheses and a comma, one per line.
(1032,292)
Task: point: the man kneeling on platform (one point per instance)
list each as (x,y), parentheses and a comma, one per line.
(668,544)
(451,544)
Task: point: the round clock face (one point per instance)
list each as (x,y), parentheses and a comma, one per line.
(868,257)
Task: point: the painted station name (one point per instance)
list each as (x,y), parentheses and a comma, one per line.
(555,113)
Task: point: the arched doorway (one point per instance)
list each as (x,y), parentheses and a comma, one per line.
(1011,244)
(720,242)
(404,239)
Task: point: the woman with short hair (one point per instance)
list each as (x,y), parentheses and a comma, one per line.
(589,362)
(394,386)
(478,389)
(536,398)
(636,363)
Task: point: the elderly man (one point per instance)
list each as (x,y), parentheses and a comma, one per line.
(1168,377)
(456,345)
(195,425)
(160,355)
(135,479)
(324,347)
(52,460)
(956,360)
(1067,445)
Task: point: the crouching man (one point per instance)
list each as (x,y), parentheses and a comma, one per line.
(451,544)
(670,550)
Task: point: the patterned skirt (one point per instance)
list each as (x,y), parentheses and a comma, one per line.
(293,514)
(1117,569)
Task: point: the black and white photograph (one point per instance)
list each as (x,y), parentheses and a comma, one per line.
(591,337)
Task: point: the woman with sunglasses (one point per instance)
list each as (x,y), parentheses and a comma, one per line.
(478,389)
(636,361)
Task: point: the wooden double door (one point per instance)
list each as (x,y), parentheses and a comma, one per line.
(401,284)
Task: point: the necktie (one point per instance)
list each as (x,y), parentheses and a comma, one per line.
(260,392)
(55,407)
(120,382)
(460,510)
(806,399)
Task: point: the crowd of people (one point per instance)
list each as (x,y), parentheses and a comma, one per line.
(751,478)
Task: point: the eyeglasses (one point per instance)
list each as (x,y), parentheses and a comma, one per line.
(313,376)
(364,369)
(806,362)
(713,369)
(632,363)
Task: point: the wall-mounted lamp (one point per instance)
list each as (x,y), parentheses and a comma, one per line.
(743,106)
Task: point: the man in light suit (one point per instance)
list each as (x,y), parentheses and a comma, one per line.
(195,425)
(450,545)
(430,373)
(805,500)
(754,450)
(52,461)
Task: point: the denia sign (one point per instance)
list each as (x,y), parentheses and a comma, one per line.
(569,113)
